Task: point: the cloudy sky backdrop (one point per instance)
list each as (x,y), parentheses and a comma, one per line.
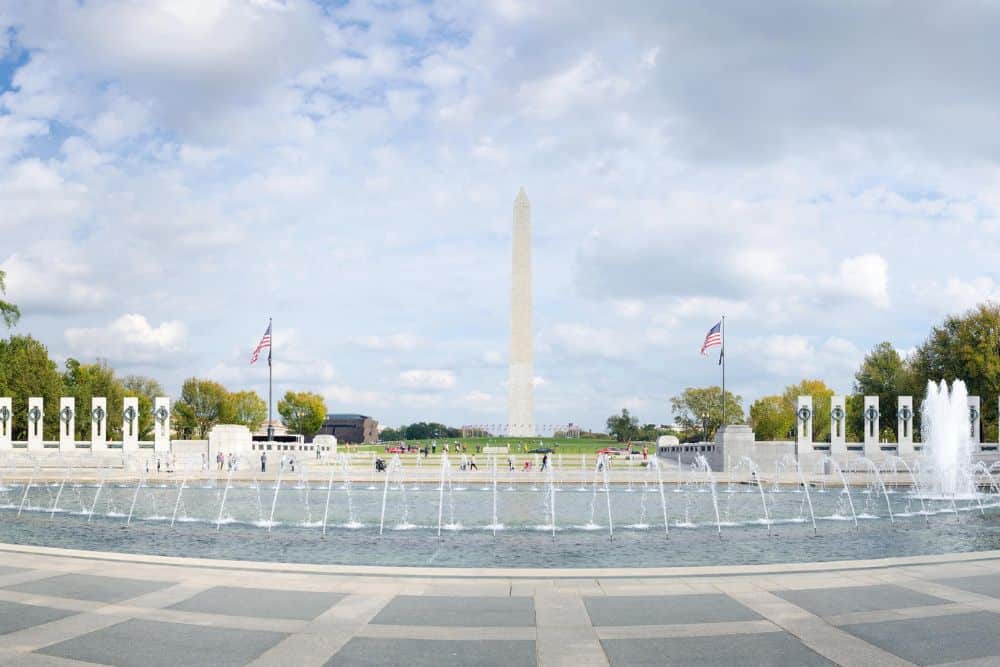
(173,172)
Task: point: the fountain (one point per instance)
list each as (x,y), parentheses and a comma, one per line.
(945,433)
(879,482)
(703,463)
(847,490)
(663,497)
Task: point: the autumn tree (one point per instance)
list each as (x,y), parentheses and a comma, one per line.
(302,412)
(703,405)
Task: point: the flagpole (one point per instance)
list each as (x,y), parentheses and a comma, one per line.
(270,348)
(723,355)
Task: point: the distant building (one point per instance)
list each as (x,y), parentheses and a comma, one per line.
(350,428)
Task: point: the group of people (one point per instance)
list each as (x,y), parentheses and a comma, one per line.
(287,460)
(230,461)
(167,461)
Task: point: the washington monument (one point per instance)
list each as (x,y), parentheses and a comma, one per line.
(520,400)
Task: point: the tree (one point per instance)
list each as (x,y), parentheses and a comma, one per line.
(146,389)
(964,347)
(10,313)
(390,434)
(698,404)
(86,381)
(776,417)
(247,408)
(821,396)
(883,373)
(648,433)
(302,412)
(624,427)
(26,370)
(200,407)
(771,419)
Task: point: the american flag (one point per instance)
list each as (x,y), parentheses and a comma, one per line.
(713,338)
(264,342)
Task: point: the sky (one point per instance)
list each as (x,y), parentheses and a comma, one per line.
(174,172)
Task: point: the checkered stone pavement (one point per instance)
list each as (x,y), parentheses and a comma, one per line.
(60,607)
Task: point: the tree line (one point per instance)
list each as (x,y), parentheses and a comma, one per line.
(419,431)
(26,370)
(964,347)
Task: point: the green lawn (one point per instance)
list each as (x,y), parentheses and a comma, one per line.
(560,445)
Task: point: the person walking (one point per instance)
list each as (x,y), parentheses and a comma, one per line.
(545,462)
(263,461)
(472,463)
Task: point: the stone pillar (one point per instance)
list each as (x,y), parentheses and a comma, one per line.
(98,425)
(804,425)
(67,424)
(904,426)
(975,421)
(6,423)
(838,426)
(130,424)
(36,423)
(161,424)
(872,424)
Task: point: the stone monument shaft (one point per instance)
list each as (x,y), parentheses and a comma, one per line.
(520,402)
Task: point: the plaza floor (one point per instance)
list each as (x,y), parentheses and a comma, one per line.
(61,607)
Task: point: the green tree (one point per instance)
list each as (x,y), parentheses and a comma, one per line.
(821,395)
(390,434)
(648,433)
(247,408)
(964,347)
(302,412)
(698,405)
(427,430)
(146,389)
(771,418)
(8,311)
(624,427)
(775,417)
(200,407)
(883,373)
(86,381)
(26,370)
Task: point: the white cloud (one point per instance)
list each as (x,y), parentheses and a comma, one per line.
(587,82)
(863,278)
(428,379)
(397,342)
(53,279)
(130,339)
(955,296)
(350,168)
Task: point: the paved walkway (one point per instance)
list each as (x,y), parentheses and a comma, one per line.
(61,607)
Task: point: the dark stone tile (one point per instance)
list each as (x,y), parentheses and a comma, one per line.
(771,648)
(471,612)
(362,651)
(157,644)
(984,584)
(927,641)
(666,609)
(847,600)
(14,616)
(260,602)
(90,587)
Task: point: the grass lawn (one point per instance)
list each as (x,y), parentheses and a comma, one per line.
(559,445)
